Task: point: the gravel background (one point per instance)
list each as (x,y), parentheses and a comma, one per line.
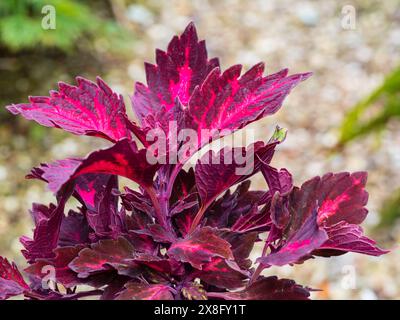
(300,35)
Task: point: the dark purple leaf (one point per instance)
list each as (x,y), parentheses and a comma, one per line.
(158,233)
(87,109)
(63,274)
(216,173)
(223,274)
(241,245)
(254,220)
(141,291)
(55,173)
(230,208)
(104,217)
(48,221)
(345,237)
(184,219)
(278,180)
(178,71)
(91,188)
(268,288)
(299,244)
(114,288)
(280,184)
(143,243)
(135,201)
(104,255)
(229,102)
(339,197)
(11,281)
(186,203)
(200,247)
(74,230)
(123,159)
(183,186)
(162,265)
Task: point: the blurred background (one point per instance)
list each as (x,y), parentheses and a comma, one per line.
(345,118)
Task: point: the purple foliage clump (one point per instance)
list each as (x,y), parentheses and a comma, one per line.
(182,233)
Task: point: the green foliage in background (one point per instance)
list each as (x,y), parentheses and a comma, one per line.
(386,97)
(390,211)
(88,40)
(21,24)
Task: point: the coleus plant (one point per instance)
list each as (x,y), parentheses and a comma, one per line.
(182,234)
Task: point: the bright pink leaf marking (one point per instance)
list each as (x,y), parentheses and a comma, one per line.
(142,291)
(11,281)
(178,71)
(330,206)
(199,247)
(87,109)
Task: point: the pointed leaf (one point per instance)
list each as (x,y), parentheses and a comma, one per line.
(190,202)
(268,288)
(114,288)
(178,71)
(48,221)
(254,220)
(241,245)
(158,233)
(162,265)
(63,274)
(141,291)
(87,109)
(74,230)
(199,247)
(278,180)
(184,219)
(104,216)
(280,184)
(135,201)
(11,281)
(103,255)
(299,244)
(230,208)
(55,173)
(339,197)
(222,273)
(143,243)
(183,185)
(215,173)
(91,188)
(229,102)
(345,237)
(123,159)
